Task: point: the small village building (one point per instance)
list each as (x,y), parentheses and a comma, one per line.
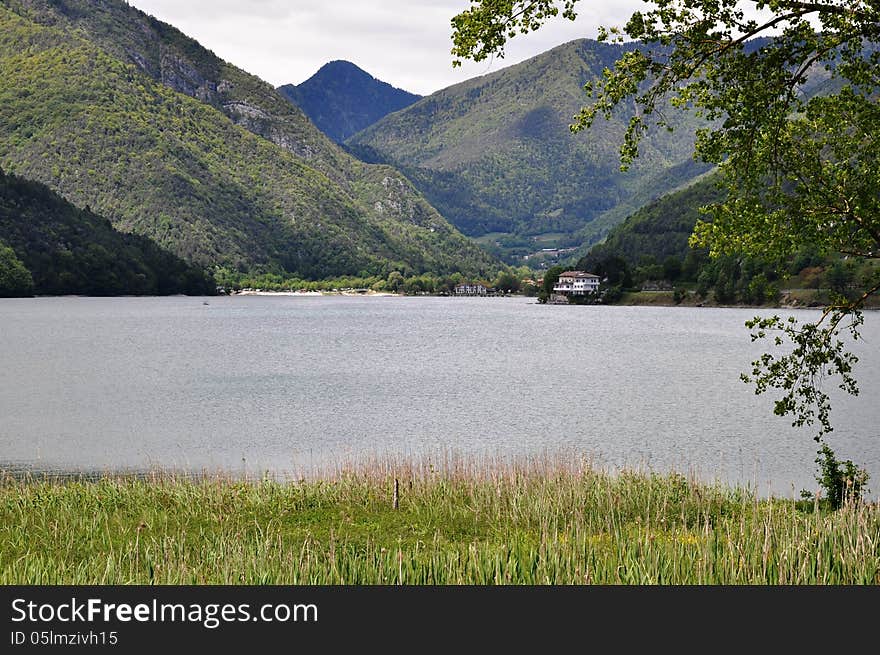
(576,283)
(471,290)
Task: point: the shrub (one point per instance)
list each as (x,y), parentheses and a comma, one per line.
(843,482)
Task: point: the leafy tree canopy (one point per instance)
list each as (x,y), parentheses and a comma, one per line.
(15,278)
(798,164)
(49,246)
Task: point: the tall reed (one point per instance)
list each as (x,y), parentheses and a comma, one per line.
(542,521)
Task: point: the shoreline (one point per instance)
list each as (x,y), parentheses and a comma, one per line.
(359,294)
(792,299)
(629,299)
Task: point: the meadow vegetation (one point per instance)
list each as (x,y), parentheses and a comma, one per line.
(546,521)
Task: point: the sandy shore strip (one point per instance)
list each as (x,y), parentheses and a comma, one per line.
(362,294)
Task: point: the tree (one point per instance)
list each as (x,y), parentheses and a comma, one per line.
(840,277)
(551,277)
(613,270)
(507,282)
(792,123)
(395,281)
(15,279)
(671,268)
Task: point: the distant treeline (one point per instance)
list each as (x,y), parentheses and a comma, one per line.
(504,281)
(49,246)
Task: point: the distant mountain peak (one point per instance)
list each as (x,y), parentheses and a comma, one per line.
(342,99)
(341,65)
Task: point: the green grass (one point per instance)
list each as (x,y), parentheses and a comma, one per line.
(490,238)
(549,237)
(540,523)
(647,298)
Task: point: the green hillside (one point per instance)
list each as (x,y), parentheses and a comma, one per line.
(494,154)
(115,110)
(650,248)
(660,229)
(51,247)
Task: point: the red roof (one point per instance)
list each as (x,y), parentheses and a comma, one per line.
(580,274)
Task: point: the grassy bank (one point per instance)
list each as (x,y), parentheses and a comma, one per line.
(789,299)
(542,523)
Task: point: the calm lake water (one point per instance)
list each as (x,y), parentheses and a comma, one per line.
(280,384)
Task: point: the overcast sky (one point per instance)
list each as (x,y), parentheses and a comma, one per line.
(403,42)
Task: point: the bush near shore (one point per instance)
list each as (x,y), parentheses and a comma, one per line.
(536,523)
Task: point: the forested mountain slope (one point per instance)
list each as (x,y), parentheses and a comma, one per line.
(118,111)
(66,250)
(495,154)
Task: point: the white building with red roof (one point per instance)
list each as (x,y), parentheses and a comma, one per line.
(576,283)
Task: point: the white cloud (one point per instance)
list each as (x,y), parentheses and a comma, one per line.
(404,42)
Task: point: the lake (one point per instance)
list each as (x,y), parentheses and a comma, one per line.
(278,385)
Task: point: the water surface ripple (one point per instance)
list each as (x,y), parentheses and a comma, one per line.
(276,384)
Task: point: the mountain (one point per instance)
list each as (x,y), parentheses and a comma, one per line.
(121,112)
(495,155)
(342,99)
(65,250)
